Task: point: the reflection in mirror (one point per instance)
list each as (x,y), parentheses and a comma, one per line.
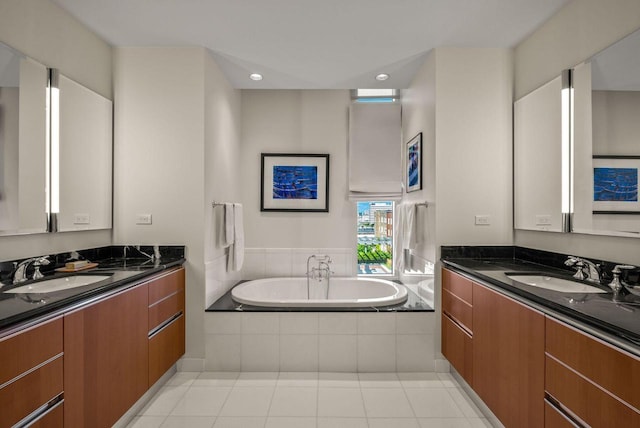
(538,159)
(85,158)
(607,141)
(23,109)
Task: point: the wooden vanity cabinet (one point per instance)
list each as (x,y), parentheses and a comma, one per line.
(508,358)
(31,375)
(106,358)
(497,346)
(589,380)
(166,325)
(457,323)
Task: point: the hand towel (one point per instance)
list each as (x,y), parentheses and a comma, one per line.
(409,231)
(235,257)
(229,236)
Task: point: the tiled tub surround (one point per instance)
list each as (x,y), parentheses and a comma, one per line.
(320,341)
(399,338)
(287,262)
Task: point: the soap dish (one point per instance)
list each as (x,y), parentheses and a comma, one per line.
(85,267)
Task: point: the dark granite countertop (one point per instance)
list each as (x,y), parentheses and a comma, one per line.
(619,318)
(18,308)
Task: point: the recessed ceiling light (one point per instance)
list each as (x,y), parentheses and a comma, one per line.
(255,76)
(382,76)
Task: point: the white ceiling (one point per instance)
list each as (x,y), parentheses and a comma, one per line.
(315,44)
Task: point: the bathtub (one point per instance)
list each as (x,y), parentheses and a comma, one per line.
(343,293)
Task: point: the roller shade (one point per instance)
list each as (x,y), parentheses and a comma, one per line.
(375,164)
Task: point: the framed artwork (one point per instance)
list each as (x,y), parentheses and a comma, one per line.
(414,164)
(294,182)
(615,184)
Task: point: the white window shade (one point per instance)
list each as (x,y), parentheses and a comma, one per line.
(375,165)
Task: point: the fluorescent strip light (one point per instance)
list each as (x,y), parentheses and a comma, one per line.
(566,97)
(48,151)
(55,150)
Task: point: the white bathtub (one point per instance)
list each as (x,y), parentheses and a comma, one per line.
(343,293)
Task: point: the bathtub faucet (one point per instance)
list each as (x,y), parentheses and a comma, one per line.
(322,271)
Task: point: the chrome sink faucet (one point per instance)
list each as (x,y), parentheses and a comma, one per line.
(585,269)
(615,284)
(20,273)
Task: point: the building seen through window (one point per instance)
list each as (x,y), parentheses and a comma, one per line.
(375,238)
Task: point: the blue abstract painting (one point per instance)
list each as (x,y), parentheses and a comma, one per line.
(295,182)
(413,168)
(615,184)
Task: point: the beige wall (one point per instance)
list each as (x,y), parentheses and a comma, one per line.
(296,121)
(578,31)
(419,115)
(575,33)
(222,175)
(473,146)
(49,35)
(159,160)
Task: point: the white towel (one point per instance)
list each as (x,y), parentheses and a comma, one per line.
(409,232)
(229,236)
(405,227)
(235,257)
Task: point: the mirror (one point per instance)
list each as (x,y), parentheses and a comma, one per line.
(85,158)
(537,158)
(607,141)
(23,114)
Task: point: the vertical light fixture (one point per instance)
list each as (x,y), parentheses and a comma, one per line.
(566,96)
(53,151)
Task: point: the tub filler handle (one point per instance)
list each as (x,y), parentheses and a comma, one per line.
(321,272)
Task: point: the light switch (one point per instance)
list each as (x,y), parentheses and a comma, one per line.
(143,219)
(483,220)
(543,220)
(81,219)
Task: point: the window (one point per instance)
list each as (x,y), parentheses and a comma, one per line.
(375,95)
(375,238)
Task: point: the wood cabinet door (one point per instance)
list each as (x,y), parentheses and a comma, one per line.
(508,358)
(105,359)
(457,347)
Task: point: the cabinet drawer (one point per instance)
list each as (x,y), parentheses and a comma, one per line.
(27,349)
(163,310)
(588,402)
(165,348)
(54,418)
(458,285)
(458,309)
(22,397)
(554,419)
(457,347)
(166,285)
(613,370)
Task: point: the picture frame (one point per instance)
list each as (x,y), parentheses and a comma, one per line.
(615,184)
(413,170)
(294,182)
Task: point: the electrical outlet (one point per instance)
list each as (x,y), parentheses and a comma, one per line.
(483,220)
(543,220)
(81,219)
(143,219)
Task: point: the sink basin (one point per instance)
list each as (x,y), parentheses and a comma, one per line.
(555,284)
(58,284)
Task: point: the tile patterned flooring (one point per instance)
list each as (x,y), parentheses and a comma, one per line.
(318,400)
